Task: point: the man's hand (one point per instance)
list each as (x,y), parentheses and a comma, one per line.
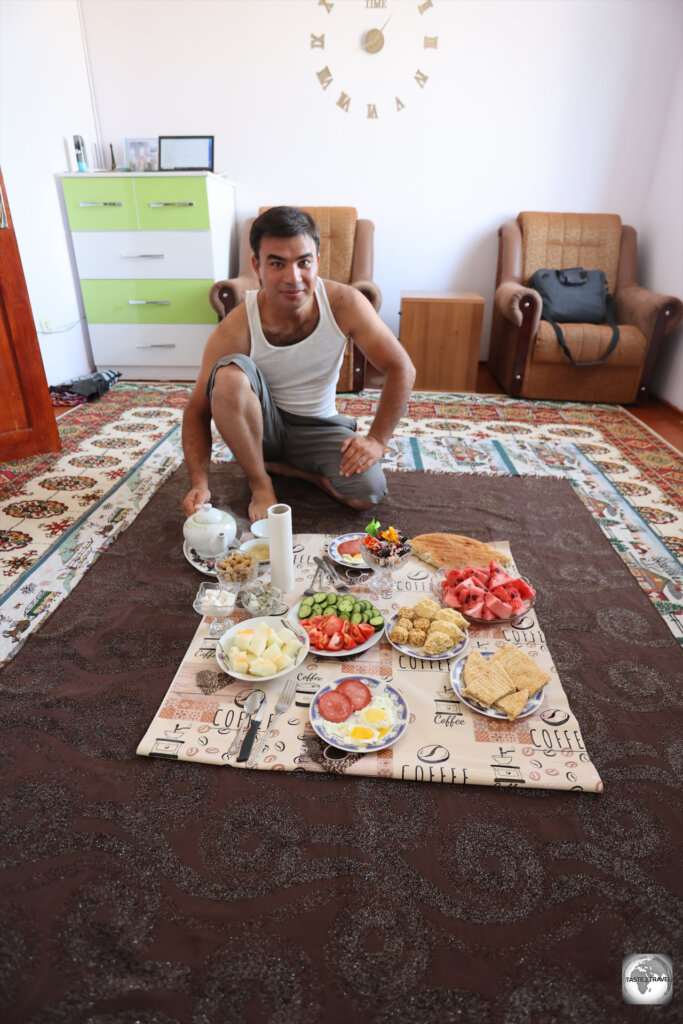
(197,496)
(359,453)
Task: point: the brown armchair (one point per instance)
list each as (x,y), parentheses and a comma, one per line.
(524,355)
(346,255)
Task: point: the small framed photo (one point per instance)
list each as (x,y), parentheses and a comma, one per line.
(186,152)
(142,154)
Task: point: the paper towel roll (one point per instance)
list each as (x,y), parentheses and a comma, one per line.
(281,550)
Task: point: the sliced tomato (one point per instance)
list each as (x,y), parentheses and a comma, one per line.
(335,642)
(317,619)
(356,634)
(318,639)
(349,642)
(366,629)
(331,625)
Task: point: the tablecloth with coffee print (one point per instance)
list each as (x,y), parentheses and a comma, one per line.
(445,740)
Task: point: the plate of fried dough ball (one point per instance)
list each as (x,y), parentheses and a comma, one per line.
(429,631)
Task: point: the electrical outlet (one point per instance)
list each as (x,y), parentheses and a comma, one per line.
(44,326)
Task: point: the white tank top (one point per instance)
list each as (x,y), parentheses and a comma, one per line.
(302,377)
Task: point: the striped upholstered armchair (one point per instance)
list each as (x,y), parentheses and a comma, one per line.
(525,356)
(346,255)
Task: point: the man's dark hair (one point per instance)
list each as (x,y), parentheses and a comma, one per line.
(283,222)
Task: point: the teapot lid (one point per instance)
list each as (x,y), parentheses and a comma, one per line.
(208,514)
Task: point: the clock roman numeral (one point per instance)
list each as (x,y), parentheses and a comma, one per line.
(372,110)
(326,4)
(421,78)
(325,77)
(425,6)
(344,102)
(317,42)
(399,105)
(429,42)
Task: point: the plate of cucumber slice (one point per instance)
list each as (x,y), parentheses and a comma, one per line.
(343,623)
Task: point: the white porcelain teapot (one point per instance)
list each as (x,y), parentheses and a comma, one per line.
(210,530)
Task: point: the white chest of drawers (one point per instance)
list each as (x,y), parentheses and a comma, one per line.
(148,247)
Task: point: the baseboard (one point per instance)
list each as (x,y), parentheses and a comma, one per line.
(669,406)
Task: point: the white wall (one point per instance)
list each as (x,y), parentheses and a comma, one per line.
(44,101)
(537,104)
(662,251)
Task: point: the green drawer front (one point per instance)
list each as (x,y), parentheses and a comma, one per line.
(181,204)
(110,204)
(148,302)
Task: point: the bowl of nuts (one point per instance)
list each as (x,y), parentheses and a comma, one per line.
(237,568)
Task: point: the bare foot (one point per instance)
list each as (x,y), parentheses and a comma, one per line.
(262,498)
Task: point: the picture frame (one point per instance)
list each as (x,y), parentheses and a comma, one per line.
(186,152)
(142,154)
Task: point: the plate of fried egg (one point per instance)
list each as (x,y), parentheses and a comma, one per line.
(346,549)
(359,714)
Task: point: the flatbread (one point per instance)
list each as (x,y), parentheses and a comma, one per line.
(453,551)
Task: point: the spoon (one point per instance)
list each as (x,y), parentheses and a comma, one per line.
(251,704)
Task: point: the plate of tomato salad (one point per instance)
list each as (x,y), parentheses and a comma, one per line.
(331,636)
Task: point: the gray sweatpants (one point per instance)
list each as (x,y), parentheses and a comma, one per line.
(309,443)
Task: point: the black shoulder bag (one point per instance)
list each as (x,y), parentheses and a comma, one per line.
(575,296)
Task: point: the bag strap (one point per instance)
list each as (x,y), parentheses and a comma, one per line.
(609,317)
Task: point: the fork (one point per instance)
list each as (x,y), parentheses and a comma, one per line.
(283,702)
(312,589)
(336,580)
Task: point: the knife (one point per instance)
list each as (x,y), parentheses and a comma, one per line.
(341,580)
(319,562)
(330,573)
(251,733)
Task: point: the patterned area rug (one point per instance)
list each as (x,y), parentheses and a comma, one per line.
(58,512)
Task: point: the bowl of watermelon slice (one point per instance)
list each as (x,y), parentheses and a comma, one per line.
(485,596)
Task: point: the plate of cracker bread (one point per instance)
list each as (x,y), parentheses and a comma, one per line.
(507,684)
(428,630)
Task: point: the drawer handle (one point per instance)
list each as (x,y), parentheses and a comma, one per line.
(141,255)
(160,345)
(149,302)
(112,203)
(171,204)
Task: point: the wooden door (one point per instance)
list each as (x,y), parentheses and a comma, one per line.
(27,419)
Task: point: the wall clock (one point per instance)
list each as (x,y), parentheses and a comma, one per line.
(373,58)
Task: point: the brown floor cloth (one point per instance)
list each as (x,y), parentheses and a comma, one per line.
(144,890)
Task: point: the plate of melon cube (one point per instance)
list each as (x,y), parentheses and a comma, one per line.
(261,648)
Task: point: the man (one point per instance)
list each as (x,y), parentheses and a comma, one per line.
(269,372)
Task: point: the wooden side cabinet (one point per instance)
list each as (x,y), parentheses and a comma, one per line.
(441,332)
